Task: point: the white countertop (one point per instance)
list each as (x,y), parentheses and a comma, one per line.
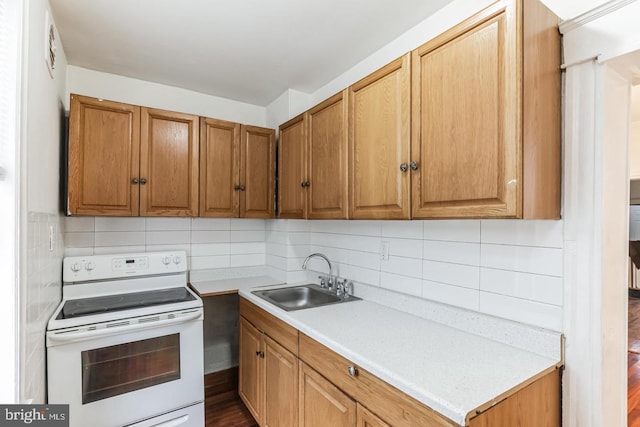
(451,371)
(206,288)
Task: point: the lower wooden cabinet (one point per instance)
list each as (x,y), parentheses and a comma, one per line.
(250,376)
(390,404)
(280,385)
(323,404)
(289,379)
(366,418)
(268,374)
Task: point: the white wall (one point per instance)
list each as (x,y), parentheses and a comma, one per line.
(11,17)
(567,9)
(287,105)
(40,264)
(87,82)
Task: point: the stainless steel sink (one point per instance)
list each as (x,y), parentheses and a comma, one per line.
(301,297)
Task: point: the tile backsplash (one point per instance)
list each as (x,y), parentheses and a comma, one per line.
(507,268)
(209,242)
(39,299)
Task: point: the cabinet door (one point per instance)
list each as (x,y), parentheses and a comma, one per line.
(169,149)
(281,386)
(466,114)
(104,148)
(323,404)
(366,418)
(250,370)
(328,158)
(292,169)
(219,168)
(379,132)
(257,172)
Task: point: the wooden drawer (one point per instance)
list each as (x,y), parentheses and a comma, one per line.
(284,334)
(389,403)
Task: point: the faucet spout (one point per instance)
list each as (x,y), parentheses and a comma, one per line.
(324,257)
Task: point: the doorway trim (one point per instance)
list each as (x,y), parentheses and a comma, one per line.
(600,53)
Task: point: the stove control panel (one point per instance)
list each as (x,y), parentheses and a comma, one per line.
(115,266)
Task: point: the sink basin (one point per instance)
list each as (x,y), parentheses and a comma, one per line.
(301,297)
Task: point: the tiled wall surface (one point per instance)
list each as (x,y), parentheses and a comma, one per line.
(39,300)
(511,269)
(507,268)
(287,245)
(209,243)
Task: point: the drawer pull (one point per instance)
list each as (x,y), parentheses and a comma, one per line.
(260,354)
(353,371)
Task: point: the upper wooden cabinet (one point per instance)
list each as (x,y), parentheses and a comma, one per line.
(104,150)
(327,139)
(257,172)
(379,143)
(219,168)
(168,163)
(237,177)
(486,117)
(126,160)
(292,170)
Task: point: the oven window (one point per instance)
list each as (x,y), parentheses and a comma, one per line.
(119,369)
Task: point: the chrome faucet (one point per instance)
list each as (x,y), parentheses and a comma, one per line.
(324,257)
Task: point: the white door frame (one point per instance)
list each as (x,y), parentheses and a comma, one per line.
(599,51)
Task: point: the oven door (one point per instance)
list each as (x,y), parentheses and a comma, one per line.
(125,374)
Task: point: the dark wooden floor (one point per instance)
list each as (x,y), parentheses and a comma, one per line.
(633,358)
(223,407)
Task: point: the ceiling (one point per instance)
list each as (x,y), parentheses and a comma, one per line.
(246,50)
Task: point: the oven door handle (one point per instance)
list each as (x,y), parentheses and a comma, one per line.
(174,422)
(65,337)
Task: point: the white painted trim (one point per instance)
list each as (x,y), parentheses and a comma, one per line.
(580,62)
(593,15)
(615,118)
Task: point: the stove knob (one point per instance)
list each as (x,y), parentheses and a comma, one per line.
(177,260)
(89,266)
(75,267)
(166,260)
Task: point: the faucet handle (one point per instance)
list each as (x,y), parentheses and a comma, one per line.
(347,289)
(323,281)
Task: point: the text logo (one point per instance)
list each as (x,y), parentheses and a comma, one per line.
(34,415)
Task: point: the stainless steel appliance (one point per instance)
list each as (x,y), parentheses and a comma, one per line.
(124,347)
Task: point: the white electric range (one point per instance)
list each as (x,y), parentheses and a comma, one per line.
(125,345)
